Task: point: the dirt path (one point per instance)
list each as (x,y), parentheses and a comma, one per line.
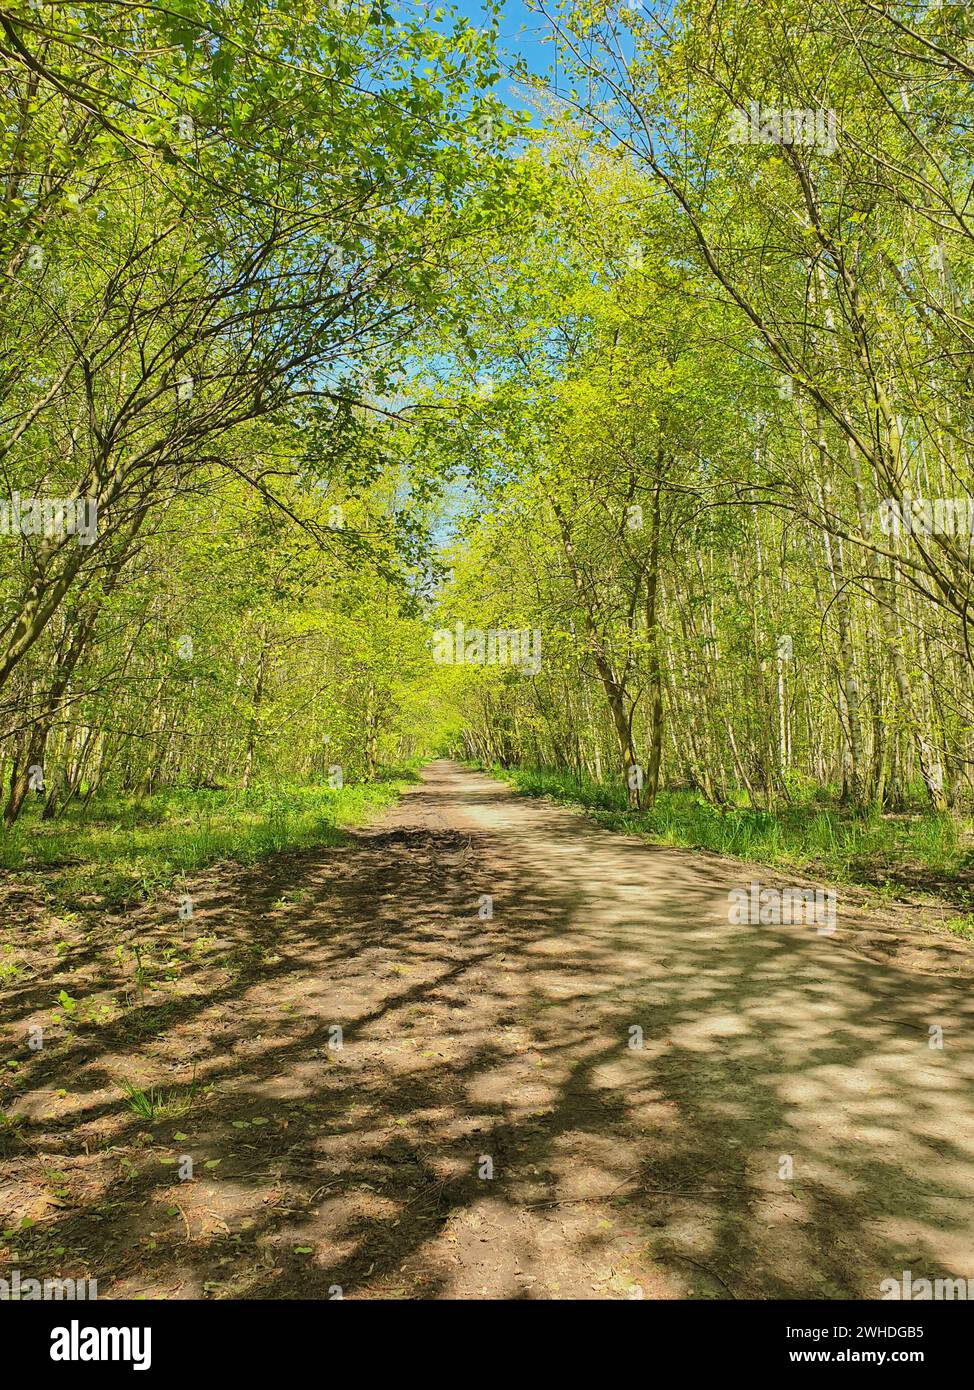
(472,1046)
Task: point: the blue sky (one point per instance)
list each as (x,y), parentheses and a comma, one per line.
(521,32)
(526,34)
(520,36)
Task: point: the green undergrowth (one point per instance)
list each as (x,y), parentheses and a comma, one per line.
(121,849)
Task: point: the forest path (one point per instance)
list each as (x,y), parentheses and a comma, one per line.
(658,1168)
(500,1046)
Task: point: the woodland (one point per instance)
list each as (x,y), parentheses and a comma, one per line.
(576,392)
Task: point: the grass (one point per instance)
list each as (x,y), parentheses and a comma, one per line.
(156,1104)
(120,850)
(874,850)
(961,926)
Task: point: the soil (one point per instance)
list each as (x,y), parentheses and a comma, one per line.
(489,1126)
